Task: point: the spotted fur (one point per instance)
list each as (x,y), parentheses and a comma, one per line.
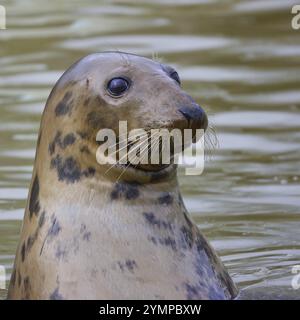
(64,106)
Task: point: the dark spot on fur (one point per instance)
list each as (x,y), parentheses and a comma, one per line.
(55,228)
(27,287)
(85,149)
(51,148)
(165,241)
(153,239)
(127,190)
(151,219)
(13,278)
(34,204)
(69,139)
(62,109)
(132,192)
(23,251)
(165,199)
(203,258)
(56,140)
(42,219)
(86,102)
(67,170)
(83,135)
(30,241)
(86,235)
(26,283)
(19,279)
(128,265)
(53,231)
(168,241)
(95,120)
(60,253)
(187,237)
(90,172)
(55,295)
(64,106)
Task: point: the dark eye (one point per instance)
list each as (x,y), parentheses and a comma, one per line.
(174,75)
(117,86)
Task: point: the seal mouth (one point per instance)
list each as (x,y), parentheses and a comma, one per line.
(150,151)
(134,173)
(148,167)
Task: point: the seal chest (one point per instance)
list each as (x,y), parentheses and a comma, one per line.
(99,231)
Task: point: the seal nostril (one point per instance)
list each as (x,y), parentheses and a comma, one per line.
(194,113)
(185,114)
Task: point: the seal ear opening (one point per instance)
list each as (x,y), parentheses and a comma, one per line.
(174,75)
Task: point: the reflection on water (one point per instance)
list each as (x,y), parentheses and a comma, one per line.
(239,59)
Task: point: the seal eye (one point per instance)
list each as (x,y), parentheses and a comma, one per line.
(174,75)
(117,86)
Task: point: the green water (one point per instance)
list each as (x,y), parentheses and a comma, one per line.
(238,59)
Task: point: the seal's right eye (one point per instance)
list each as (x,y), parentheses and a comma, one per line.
(117,86)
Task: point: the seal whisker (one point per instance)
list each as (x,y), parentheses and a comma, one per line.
(211,141)
(125,58)
(120,149)
(126,155)
(155,56)
(135,147)
(147,131)
(126,167)
(149,146)
(146,147)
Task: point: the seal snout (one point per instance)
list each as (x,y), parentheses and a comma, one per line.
(195,116)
